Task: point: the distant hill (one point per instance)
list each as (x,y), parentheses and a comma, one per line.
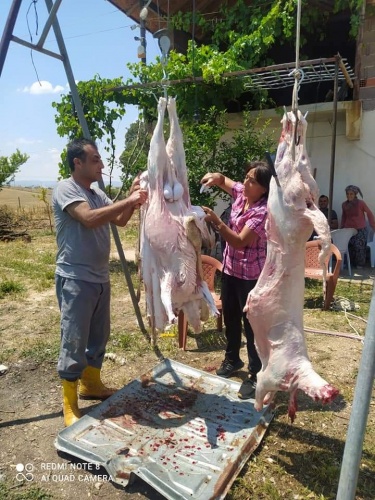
(34,183)
(22,197)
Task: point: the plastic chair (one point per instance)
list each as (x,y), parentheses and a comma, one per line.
(313,269)
(210,267)
(340,238)
(371,245)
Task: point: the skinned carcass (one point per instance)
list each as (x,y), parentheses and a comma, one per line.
(171,233)
(275,306)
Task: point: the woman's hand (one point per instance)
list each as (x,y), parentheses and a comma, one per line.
(212,217)
(212,179)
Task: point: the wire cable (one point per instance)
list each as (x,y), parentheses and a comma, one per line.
(33,3)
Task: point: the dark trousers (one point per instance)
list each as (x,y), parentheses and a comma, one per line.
(357,248)
(234,292)
(85,325)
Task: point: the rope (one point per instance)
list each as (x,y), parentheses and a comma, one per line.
(196,113)
(297,76)
(297,73)
(334,334)
(164,47)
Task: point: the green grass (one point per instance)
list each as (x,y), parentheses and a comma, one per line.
(32,263)
(10,287)
(357,292)
(32,493)
(129,233)
(41,351)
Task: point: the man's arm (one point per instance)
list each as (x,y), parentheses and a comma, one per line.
(119,213)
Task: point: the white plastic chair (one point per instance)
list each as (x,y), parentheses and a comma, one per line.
(371,245)
(340,238)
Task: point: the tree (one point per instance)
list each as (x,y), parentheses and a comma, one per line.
(206,151)
(134,157)
(101,109)
(242,38)
(9,166)
(43,196)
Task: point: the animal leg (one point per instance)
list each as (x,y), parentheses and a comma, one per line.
(166,285)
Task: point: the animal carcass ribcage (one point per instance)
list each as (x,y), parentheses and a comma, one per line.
(171,233)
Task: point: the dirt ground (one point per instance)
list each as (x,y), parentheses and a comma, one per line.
(31,416)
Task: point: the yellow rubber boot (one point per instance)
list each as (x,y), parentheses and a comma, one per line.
(91,386)
(70,402)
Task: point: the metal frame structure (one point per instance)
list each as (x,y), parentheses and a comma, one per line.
(268,77)
(53,22)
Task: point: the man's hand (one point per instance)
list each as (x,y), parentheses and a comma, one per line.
(135,184)
(138,197)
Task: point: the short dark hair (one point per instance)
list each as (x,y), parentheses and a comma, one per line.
(323,196)
(75,149)
(263,174)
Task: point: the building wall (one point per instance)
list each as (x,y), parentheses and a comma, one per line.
(354,160)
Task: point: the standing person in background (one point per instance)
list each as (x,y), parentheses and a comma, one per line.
(243,260)
(82,216)
(353,215)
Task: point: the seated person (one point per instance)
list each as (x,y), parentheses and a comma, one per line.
(354,212)
(323,206)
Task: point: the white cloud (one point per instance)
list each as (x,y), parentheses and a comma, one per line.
(43,87)
(26,142)
(55,154)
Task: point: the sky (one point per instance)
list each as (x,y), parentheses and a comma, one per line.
(99,40)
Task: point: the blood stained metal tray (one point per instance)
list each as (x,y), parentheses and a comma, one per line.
(182,430)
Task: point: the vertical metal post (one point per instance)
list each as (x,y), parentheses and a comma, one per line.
(358,53)
(333,144)
(8,31)
(358,418)
(142,32)
(86,133)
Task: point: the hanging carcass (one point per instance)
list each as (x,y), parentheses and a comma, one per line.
(171,233)
(275,306)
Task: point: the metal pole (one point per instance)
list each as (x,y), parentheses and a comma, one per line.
(86,133)
(333,145)
(358,52)
(142,31)
(358,418)
(47,26)
(8,31)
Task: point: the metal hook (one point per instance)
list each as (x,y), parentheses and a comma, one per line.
(299,75)
(164,83)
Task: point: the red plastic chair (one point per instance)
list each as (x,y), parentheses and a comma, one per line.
(210,267)
(313,269)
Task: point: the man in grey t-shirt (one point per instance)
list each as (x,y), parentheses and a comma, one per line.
(82,216)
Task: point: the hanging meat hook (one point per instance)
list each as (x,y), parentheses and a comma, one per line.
(299,76)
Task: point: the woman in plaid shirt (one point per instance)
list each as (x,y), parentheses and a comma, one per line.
(243,260)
